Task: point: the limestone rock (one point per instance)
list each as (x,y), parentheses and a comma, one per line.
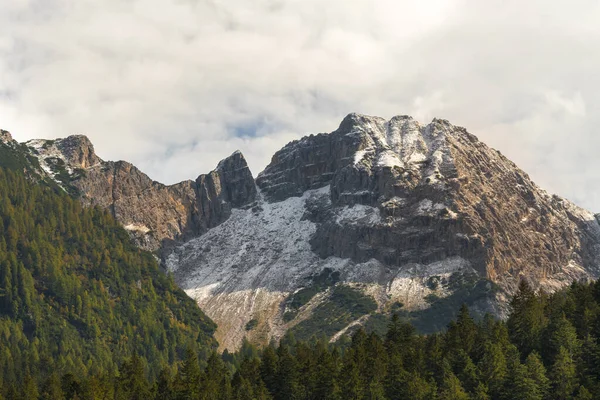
(395,207)
(403,212)
(156,215)
(5,136)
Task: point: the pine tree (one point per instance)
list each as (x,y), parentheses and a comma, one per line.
(287,379)
(536,371)
(29,388)
(520,385)
(583,394)
(465,370)
(451,388)
(187,381)
(164,386)
(527,319)
(52,389)
(269,369)
(560,333)
(327,387)
(493,368)
(462,332)
(396,379)
(352,383)
(563,375)
(132,383)
(216,380)
(480,393)
(71,386)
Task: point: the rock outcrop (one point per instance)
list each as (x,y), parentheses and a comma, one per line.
(5,136)
(402,211)
(416,218)
(156,215)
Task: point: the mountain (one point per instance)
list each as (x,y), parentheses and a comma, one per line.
(77,296)
(378,216)
(155,214)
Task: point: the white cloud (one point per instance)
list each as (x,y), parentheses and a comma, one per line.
(174,85)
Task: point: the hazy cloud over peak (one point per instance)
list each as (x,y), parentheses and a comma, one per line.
(174,86)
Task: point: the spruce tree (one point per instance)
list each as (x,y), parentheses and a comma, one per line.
(132,382)
(564,375)
(52,389)
(188,378)
(527,319)
(536,371)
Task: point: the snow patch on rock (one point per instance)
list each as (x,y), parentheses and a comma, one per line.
(137,228)
(45,151)
(410,286)
(358,214)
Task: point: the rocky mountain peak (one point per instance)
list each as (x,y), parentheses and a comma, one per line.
(423,215)
(156,215)
(236,180)
(78,151)
(399,148)
(5,136)
(420,214)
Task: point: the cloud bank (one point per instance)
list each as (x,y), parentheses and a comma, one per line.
(176,85)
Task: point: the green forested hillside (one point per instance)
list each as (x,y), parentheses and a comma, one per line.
(86,315)
(547,350)
(76,296)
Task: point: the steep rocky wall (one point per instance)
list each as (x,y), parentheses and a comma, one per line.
(403,212)
(156,215)
(400,210)
(443,193)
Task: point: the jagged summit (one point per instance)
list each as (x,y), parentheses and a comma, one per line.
(423,215)
(5,136)
(75,152)
(363,143)
(404,211)
(157,215)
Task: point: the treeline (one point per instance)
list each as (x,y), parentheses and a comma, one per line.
(77,297)
(546,350)
(86,315)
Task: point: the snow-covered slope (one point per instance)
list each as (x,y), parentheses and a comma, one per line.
(376,217)
(425,216)
(245,268)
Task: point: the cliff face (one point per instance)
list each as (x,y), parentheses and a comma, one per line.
(426,216)
(409,217)
(441,193)
(156,215)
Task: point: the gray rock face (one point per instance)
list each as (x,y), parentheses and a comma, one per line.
(78,151)
(155,214)
(394,207)
(403,212)
(442,194)
(5,136)
(229,186)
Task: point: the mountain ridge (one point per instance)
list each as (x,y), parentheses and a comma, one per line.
(155,214)
(422,215)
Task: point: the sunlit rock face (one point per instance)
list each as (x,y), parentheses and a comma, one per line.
(413,218)
(402,211)
(155,214)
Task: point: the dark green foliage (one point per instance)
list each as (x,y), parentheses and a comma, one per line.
(86,315)
(344,306)
(76,296)
(325,279)
(482,360)
(251,324)
(466,289)
(527,319)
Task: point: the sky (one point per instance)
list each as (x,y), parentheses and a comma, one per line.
(174,86)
